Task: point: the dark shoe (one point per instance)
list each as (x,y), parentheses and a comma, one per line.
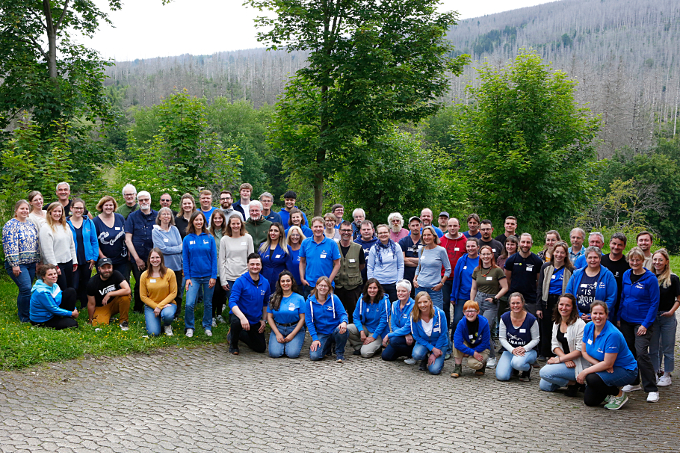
(423,365)
(582,388)
(233,351)
(572,390)
(480,372)
(525,376)
(356,352)
(124,326)
(457,371)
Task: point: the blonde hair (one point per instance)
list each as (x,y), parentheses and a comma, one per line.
(298,230)
(415,314)
(48,216)
(665,276)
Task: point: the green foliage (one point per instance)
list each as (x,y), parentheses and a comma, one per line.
(527,145)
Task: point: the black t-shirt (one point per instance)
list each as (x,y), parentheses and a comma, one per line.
(501,238)
(99,288)
(585,293)
(362,257)
(495,245)
(524,275)
(473,332)
(410,251)
(635,277)
(668,295)
(617,267)
(562,338)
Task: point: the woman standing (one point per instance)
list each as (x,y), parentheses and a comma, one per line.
(637,312)
(274,253)
(295,238)
(488,286)
(234,250)
(519,335)
(187,208)
(286,318)
(386,262)
(50,306)
(552,283)
(111,234)
(87,248)
(167,239)
(37,215)
(613,365)
(662,345)
(57,245)
(431,259)
(22,254)
(593,282)
(399,342)
(332,233)
(428,327)
(566,344)
(199,256)
(370,320)
(158,289)
(296,218)
(218,228)
(552,237)
(326,321)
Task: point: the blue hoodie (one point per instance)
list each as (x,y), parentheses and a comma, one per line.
(639,300)
(478,344)
(323,319)
(199,256)
(438,339)
(399,319)
(606,287)
(249,297)
(90,241)
(462,277)
(372,316)
(45,302)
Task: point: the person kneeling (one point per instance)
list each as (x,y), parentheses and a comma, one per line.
(50,306)
(370,320)
(471,339)
(158,290)
(519,335)
(286,319)
(108,293)
(326,320)
(428,327)
(399,342)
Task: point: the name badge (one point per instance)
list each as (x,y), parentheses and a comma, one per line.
(243,243)
(152,280)
(323,255)
(489,278)
(471,337)
(464,267)
(192,242)
(530,267)
(493,250)
(553,277)
(277,256)
(522,330)
(352,260)
(291,307)
(590,341)
(584,285)
(117,228)
(457,249)
(166,240)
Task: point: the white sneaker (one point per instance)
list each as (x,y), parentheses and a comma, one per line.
(168,330)
(491,363)
(214,323)
(653,397)
(221,320)
(664,381)
(208,333)
(631,388)
(190,333)
(410,361)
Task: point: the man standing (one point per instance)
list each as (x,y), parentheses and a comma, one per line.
(256,225)
(366,241)
(63,192)
(248,306)
(410,246)
(454,243)
(473,227)
(487,230)
(267,200)
(645,241)
(206,200)
(522,269)
(289,203)
(577,237)
(595,239)
(348,281)
(510,226)
(359,215)
(243,205)
(426,218)
(616,262)
(138,228)
(130,197)
(107,294)
(226,199)
(166,202)
(443,220)
(338,211)
(319,256)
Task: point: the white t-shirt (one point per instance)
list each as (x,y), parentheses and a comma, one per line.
(246,210)
(427,326)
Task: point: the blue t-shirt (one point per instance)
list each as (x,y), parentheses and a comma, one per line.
(293,264)
(289,310)
(585,293)
(518,336)
(208,214)
(467,234)
(319,257)
(556,281)
(610,340)
(112,240)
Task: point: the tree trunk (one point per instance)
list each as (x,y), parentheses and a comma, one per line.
(51,31)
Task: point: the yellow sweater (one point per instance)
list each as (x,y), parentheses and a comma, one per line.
(158,292)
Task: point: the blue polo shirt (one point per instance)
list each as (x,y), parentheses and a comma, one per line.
(289,310)
(140,225)
(610,340)
(319,258)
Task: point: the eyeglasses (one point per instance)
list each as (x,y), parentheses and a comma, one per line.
(470,312)
(165,199)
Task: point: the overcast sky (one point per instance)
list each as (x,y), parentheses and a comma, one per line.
(147,29)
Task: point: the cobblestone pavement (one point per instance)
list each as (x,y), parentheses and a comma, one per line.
(204,399)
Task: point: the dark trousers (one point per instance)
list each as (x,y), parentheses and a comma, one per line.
(446,294)
(597,390)
(546,325)
(218,299)
(252,338)
(65,280)
(179,278)
(124,269)
(396,348)
(349,298)
(68,302)
(137,273)
(391,290)
(639,345)
(81,278)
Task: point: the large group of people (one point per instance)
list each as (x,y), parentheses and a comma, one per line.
(604,324)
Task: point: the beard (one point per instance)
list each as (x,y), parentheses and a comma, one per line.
(144,207)
(395,228)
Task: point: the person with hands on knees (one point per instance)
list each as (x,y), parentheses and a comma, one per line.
(612,363)
(591,283)
(370,320)
(326,320)
(248,306)
(567,334)
(50,306)
(158,291)
(428,327)
(108,293)
(472,339)
(286,318)
(399,342)
(519,335)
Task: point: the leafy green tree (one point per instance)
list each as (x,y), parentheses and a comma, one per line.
(527,145)
(370,64)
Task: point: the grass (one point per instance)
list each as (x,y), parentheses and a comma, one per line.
(22,345)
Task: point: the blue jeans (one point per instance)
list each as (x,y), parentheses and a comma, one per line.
(420,352)
(340,341)
(490,311)
(24,281)
(555,376)
(396,348)
(619,377)
(663,343)
(436,296)
(192,295)
(153,322)
(508,362)
(290,349)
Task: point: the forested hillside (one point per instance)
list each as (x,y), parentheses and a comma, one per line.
(624,54)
